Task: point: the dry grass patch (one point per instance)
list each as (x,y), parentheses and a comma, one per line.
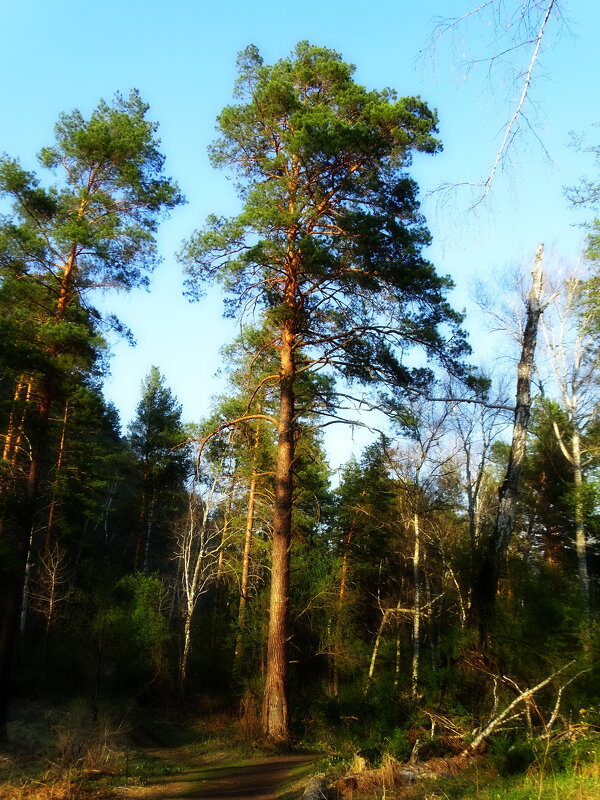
(60,754)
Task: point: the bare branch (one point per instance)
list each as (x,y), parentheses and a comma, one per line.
(509,132)
(500,718)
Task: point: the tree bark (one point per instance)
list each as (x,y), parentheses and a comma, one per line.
(275,711)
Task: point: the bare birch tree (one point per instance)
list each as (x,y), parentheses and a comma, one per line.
(572,366)
(476,426)
(198,546)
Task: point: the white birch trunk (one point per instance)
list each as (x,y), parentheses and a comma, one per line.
(417,609)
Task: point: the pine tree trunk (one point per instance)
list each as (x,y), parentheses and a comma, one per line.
(215,628)
(26,585)
(275,711)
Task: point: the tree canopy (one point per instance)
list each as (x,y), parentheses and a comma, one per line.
(330,236)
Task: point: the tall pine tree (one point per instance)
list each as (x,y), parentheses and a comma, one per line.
(328,247)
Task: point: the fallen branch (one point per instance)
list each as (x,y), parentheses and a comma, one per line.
(500,718)
(554,715)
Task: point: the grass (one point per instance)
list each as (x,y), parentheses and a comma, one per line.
(72,753)
(139,768)
(533,786)
(296,783)
(481,782)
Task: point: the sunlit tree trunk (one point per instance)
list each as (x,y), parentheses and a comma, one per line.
(376,644)
(417,608)
(275,710)
(25,598)
(197,553)
(14,433)
(337,643)
(248,533)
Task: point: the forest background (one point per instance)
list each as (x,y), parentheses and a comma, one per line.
(132,543)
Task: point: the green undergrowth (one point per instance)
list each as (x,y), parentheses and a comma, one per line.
(139,768)
(483,784)
(481,781)
(512,769)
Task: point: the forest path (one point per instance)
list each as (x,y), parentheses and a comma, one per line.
(214,777)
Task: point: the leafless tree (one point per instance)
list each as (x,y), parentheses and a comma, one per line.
(571,365)
(516,34)
(198,544)
(50,590)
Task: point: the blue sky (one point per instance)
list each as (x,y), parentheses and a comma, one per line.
(56,55)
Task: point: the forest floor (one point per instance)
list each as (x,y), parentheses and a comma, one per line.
(219,777)
(64,756)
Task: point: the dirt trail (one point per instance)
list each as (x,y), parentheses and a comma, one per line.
(204,778)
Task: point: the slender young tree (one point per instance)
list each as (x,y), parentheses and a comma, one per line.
(94,228)
(328,248)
